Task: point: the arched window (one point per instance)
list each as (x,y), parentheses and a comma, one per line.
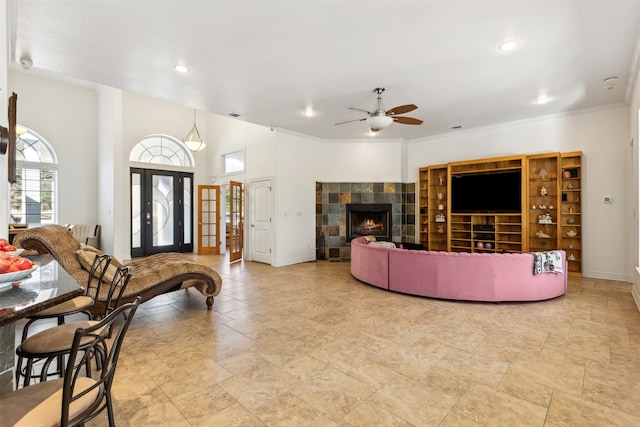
(33,195)
(162,150)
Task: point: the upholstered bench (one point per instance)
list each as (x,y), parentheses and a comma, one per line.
(151,276)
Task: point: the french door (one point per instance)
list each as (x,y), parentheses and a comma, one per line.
(161,211)
(236,217)
(208,224)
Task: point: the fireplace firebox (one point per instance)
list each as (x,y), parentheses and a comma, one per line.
(369,219)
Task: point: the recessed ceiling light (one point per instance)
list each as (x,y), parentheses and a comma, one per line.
(309,112)
(181,68)
(542,99)
(508,45)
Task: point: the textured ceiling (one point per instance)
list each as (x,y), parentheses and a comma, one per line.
(270,60)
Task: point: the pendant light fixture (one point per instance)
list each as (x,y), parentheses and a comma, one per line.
(193,140)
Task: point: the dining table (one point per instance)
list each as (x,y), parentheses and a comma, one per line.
(46,285)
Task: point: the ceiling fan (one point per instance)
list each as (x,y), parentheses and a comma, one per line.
(380,119)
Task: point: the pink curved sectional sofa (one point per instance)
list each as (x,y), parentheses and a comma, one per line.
(455,275)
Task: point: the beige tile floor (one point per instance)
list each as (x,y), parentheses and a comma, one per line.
(309,345)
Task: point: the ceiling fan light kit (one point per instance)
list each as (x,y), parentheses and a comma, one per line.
(379,122)
(380,119)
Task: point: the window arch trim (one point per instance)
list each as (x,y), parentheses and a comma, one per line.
(140,150)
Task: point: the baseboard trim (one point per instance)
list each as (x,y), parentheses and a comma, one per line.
(607,276)
(291,261)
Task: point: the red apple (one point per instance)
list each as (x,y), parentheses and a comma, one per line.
(5,264)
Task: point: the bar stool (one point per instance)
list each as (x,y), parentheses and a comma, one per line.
(74,399)
(80,304)
(55,343)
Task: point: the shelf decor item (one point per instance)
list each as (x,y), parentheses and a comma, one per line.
(543,191)
(545,219)
(571,233)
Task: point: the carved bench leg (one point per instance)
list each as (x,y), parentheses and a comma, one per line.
(209,303)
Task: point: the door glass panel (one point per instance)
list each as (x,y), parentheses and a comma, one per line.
(136,220)
(187,210)
(163,218)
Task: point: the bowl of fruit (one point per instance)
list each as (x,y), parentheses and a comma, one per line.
(8,248)
(14,267)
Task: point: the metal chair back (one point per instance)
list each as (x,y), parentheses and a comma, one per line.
(88,343)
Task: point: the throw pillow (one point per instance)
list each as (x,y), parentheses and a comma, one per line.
(383,244)
(86,261)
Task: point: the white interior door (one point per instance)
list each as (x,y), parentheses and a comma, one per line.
(260,229)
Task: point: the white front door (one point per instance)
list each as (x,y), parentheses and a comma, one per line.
(260,228)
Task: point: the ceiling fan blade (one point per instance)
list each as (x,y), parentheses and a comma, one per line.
(401,109)
(360,109)
(407,120)
(349,121)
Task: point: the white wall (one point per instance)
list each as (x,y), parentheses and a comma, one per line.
(297,171)
(110,137)
(66,116)
(226,135)
(603,137)
(361,161)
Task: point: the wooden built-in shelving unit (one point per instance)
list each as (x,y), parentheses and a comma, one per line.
(571,208)
(543,202)
(438,207)
(550,216)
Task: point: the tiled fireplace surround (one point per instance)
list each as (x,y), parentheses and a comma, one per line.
(331,222)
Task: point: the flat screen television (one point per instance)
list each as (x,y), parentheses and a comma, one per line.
(489,192)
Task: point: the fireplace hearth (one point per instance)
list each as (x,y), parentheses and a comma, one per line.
(368,219)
